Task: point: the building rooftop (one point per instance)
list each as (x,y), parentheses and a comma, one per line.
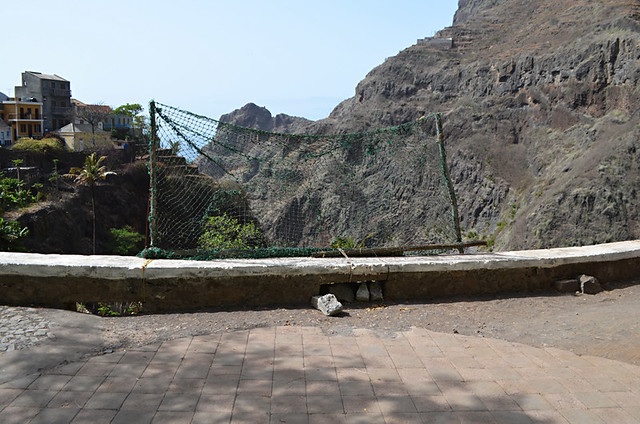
(76,128)
(46,76)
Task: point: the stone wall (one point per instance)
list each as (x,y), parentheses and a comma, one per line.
(59,281)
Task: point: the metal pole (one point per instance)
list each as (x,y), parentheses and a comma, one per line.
(447,177)
(152,173)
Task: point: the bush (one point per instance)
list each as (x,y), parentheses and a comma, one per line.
(10,234)
(125,241)
(46,145)
(349,242)
(225,232)
(13,194)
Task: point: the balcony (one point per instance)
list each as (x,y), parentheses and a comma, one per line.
(24,117)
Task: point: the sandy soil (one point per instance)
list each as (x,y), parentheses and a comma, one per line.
(606,324)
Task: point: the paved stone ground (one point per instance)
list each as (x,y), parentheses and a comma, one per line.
(21,328)
(288,374)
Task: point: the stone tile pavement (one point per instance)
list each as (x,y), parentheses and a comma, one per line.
(299,375)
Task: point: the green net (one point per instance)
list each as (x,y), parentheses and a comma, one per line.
(221,190)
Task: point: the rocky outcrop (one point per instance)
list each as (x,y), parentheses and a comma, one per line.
(256,117)
(542,117)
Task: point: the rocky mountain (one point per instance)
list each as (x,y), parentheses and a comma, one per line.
(253,116)
(541,104)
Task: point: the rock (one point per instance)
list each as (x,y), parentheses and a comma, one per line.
(589,285)
(362,295)
(375,291)
(343,292)
(327,304)
(567,286)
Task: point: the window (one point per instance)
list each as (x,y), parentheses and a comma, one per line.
(37,113)
(37,128)
(23,128)
(53,103)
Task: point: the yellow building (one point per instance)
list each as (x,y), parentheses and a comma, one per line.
(24,118)
(81,137)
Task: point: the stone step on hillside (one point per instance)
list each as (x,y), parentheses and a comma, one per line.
(171,160)
(184,169)
(164,152)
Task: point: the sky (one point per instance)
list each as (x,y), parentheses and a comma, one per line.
(210,57)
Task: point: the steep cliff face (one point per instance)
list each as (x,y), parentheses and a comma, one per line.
(542,117)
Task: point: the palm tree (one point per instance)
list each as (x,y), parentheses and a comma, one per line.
(89,174)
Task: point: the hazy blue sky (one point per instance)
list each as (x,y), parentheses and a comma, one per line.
(211,57)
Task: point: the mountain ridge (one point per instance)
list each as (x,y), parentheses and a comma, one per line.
(541,117)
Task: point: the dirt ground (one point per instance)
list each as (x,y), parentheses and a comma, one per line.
(605,325)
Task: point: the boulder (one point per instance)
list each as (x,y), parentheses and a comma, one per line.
(375,291)
(362,295)
(327,304)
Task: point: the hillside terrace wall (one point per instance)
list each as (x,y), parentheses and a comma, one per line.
(58,281)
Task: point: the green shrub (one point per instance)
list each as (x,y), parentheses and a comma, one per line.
(349,242)
(13,194)
(46,145)
(225,232)
(125,241)
(10,234)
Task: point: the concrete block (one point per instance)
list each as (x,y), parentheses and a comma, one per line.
(589,284)
(342,292)
(567,286)
(327,304)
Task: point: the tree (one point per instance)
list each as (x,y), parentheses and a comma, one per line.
(132,110)
(88,175)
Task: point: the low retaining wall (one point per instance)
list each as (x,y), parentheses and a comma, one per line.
(172,285)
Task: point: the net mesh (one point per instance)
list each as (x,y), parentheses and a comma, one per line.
(231,191)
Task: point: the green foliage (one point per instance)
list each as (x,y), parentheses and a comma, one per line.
(125,241)
(110,309)
(349,242)
(175,147)
(55,175)
(45,146)
(105,310)
(13,194)
(128,109)
(39,193)
(10,234)
(225,232)
(91,172)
